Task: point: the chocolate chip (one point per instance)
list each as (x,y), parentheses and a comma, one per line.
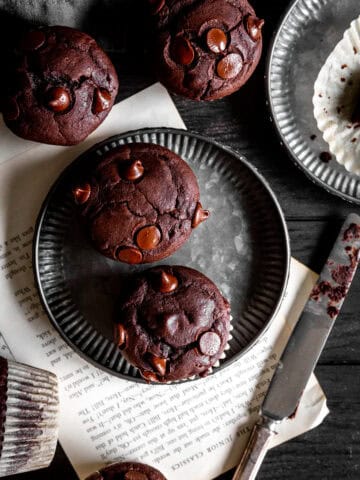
(133,475)
(168,283)
(182,51)
(150,376)
(58,99)
(129,255)
(82,194)
(120,335)
(156,6)
(209,343)
(32,40)
(101,100)
(134,171)
(158,363)
(254,26)
(216,40)
(10,109)
(148,237)
(200,215)
(229,66)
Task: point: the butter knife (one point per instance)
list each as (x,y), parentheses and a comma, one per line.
(304,346)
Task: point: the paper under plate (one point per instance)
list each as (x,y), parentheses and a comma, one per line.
(307,35)
(243,248)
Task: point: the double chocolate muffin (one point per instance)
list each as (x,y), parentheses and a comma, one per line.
(172,324)
(127,471)
(140,203)
(206,49)
(61,86)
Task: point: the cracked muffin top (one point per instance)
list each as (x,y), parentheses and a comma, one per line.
(140,203)
(172,323)
(206,49)
(61,86)
(127,471)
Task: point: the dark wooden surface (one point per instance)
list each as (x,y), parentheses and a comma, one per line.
(332,451)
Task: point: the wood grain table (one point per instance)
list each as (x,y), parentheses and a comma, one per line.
(332,451)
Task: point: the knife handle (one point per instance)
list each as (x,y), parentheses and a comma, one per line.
(255,451)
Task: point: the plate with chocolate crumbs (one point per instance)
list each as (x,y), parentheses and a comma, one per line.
(242,247)
(308,33)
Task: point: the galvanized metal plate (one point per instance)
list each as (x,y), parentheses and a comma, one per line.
(308,33)
(243,247)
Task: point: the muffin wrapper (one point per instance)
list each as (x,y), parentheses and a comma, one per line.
(31,420)
(336,94)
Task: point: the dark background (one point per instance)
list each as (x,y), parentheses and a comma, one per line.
(313,216)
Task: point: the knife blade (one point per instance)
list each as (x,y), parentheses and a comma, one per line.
(305,345)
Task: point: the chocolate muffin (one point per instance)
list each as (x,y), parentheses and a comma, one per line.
(172,324)
(140,203)
(206,49)
(29,407)
(127,471)
(61,86)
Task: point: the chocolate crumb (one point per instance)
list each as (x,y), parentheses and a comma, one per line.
(325,157)
(343,66)
(320,95)
(332,311)
(353,232)
(355,50)
(343,79)
(312,137)
(353,140)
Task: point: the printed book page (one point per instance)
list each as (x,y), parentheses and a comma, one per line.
(194,430)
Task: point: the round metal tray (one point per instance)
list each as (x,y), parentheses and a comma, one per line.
(243,247)
(308,33)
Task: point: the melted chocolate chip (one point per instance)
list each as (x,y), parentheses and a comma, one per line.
(10,109)
(133,475)
(200,215)
(150,376)
(148,238)
(158,363)
(168,283)
(129,255)
(58,99)
(229,66)
(120,334)
(134,171)
(101,100)
(32,40)
(82,194)
(209,343)
(182,51)
(216,40)
(253,27)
